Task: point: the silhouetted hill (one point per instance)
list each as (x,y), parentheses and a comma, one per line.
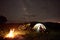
(53,26)
(49,25)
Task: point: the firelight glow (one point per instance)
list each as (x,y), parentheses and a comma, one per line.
(10,34)
(13,33)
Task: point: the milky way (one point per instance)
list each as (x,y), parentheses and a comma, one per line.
(30,10)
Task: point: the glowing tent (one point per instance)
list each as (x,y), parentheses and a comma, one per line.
(39,27)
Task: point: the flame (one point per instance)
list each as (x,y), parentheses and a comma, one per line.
(13,33)
(10,34)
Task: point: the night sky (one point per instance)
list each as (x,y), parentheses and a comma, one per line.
(18,11)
